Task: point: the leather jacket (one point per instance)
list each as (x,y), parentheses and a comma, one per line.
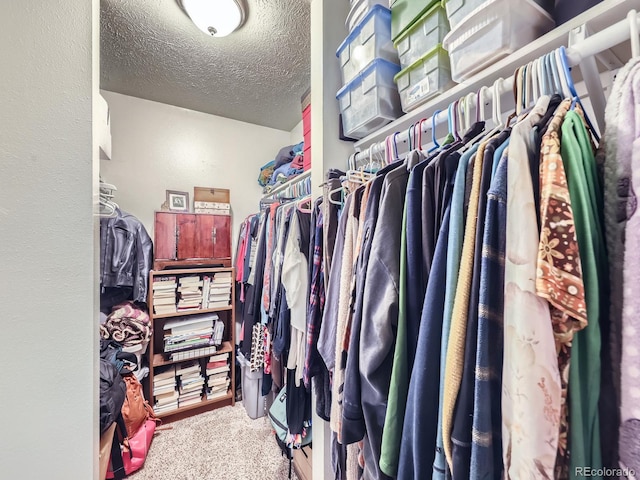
(126,253)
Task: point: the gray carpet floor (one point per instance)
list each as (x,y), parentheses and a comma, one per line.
(223,444)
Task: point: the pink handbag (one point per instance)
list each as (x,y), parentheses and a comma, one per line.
(135,454)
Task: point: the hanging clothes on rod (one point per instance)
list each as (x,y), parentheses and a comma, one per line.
(284,302)
(463,326)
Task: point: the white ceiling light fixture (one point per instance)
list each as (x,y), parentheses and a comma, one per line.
(217,18)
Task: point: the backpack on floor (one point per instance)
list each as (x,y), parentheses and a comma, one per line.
(278,417)
(112,394)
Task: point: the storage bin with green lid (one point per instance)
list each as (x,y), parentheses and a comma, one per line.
(420,38)
(425,78)
(405,12)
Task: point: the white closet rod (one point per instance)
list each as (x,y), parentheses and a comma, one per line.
(297,179)
(599,42)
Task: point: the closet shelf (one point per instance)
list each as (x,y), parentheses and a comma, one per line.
(202,403)
(284,186)
(159,360)
(597,18)
(192,312)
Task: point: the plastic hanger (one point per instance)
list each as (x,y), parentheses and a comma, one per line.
(396,157)
(479,117)
(480,106)
(564,80)
(467,112)
(420,133)
(564,61)
(450,118)
(436,145)
(545,87)
(517,87)
(387,150)
(632,16)
(497,103)
(305,200)
(460,108)
(456,123)
(553,65)
(528,85)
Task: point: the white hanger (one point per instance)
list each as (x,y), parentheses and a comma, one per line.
(633,28)
(497,102)
(566,93)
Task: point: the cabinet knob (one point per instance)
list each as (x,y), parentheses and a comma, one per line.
(214,234)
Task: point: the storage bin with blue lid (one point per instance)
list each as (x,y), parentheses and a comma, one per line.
(421,37)
(359,9)
(370,100)
(425,78)
(369,40)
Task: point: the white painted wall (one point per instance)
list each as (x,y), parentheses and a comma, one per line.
(158,147)
(328,150)
(297,134)
(48,388)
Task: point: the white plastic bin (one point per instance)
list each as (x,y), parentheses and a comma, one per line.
(425,78)
(359,9)
(458,10)
(370,100)
(420,38)
(252,398)
(496,29)
(369,40)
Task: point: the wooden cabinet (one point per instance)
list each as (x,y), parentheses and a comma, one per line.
(198,239)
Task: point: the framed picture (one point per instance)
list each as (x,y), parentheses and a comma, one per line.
(178,201)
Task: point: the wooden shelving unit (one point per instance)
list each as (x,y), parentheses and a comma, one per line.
(158,358)
(230,396)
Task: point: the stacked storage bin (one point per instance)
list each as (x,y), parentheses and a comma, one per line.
(369,97)
(306,129)
(418,29)
(483,32)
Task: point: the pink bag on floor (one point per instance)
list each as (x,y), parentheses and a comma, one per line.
(134,456)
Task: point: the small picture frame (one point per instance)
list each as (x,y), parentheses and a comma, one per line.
(178,201)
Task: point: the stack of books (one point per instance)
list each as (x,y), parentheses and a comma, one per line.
(164,390)
(164,295)
(218,332)
(188,333)
(219,290)
(190,289)
(218,376)
(191,383)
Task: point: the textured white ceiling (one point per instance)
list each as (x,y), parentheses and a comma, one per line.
(150,49)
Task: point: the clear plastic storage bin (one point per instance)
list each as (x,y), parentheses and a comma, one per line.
(420,38)
(425,78)
(458,10)
(370,100)
(359,9)
(369,40)
(405,12)
(496,29)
